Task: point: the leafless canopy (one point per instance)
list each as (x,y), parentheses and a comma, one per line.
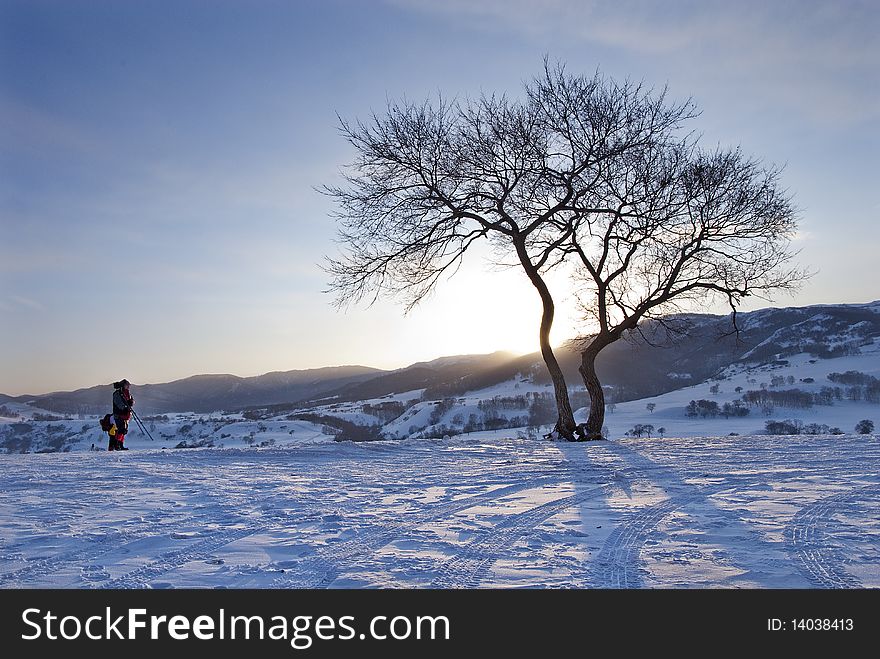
(681,224)
(431,179)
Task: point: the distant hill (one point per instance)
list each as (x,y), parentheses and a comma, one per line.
(648,363)
(656,360)
(426,375)
(208,393)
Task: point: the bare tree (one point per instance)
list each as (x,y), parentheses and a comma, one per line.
(580,168)
(675,224)
(430,180)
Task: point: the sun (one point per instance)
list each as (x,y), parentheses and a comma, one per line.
(483,310)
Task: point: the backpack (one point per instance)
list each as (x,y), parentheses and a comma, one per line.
(106,423)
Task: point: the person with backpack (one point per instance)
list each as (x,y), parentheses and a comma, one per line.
(122,405)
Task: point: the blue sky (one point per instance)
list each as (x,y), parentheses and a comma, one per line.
(158,164)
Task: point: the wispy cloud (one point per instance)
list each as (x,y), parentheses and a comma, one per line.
(815,58)
(24,125)
(27,303)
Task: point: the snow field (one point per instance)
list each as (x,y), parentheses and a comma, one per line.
(488,511)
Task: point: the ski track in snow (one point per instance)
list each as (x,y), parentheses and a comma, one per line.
(744,511)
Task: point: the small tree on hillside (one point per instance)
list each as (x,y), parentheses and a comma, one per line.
(865,427)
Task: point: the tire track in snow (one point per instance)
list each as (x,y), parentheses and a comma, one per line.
(53,563)
(200,550)
(96,544)
(469,567)
(115,540)
(326,565)
(235,507)
(321,570)
(619,564)
(807,539)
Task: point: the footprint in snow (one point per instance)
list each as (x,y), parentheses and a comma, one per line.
(94,573)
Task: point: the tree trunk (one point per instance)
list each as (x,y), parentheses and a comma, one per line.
(565,425)
(594,389)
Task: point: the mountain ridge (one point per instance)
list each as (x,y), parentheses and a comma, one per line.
(632,368)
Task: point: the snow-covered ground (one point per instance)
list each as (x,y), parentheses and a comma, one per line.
(485,510)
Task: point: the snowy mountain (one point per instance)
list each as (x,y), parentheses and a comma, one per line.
(639,369)
(648,364)
(656,361)
(815,368)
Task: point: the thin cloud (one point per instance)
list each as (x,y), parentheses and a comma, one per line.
(27,303)
(29,127)
(814,58)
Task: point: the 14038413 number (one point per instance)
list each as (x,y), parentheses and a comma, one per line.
(821,624)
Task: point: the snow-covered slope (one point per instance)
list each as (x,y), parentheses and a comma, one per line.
(801,372)
(521,406)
